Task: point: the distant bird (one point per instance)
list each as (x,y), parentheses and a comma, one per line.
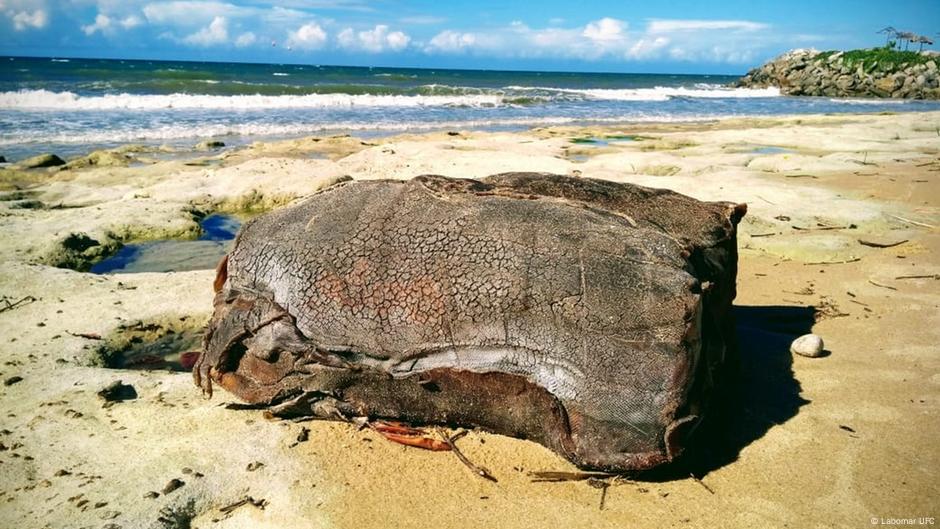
(273,44)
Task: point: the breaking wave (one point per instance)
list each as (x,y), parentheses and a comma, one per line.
(659,93)
(48,100)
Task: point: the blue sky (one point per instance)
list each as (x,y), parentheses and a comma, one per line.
(621,36)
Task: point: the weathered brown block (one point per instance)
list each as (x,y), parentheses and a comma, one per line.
(589,316)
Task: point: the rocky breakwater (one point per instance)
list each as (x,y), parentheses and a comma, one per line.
(876,72)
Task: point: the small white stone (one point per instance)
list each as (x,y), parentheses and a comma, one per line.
(807,345)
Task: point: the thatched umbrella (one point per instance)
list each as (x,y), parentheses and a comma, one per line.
(907,37)
(889,32)
(923,39)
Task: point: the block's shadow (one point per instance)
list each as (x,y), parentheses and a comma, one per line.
(764,392)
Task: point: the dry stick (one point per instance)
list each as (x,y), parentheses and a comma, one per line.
(702,483)
(16,304)
(800,176)
(874,244)
(855,260)
(603,485)
(762,234)
(928,276)
(85,335)
(873,282)
(480,471)
(820,228)
(914,222)
(550,476)
(260,504)
(765,200)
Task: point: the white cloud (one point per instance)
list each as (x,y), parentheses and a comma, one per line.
(670,26)
(25,20)
(375,40)
(733,41)
(246,39)
(131,21)
(646,47)
(310,36)
(605,30)
(193,13)
(451,42)
(106,24)
(102,23)
(215,33)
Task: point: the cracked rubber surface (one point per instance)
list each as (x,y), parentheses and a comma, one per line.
(589,316)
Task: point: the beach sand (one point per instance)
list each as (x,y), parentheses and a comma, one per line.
(836,441)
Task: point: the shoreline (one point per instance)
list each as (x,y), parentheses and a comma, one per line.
(189,146)
(578,144)
(846,437)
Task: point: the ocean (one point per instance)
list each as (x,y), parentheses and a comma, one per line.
(72,106)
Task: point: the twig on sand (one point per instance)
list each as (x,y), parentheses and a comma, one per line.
(823,228)
(765,200)
(925,276)
(854,260)
(551,476)
(914,222)
(478,470)
(800,176)
(763,234)
(247,500)
(600,484)
(702,483)
(16,304)
(875,244)
(877,284)
(85,335)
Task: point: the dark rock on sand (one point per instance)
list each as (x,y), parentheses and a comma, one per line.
(117,391)
(209,145)
(42,160)
(12,380)
(78,251)
(172,485)
(590,316)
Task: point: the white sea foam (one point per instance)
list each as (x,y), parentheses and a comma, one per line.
(659,93)
(873,101)
(170,133)
(46,100)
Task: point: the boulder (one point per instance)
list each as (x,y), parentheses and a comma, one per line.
(42,160)
(802,72)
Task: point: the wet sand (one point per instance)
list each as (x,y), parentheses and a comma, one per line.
(814,442)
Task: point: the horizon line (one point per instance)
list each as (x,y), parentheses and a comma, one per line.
(522,70)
